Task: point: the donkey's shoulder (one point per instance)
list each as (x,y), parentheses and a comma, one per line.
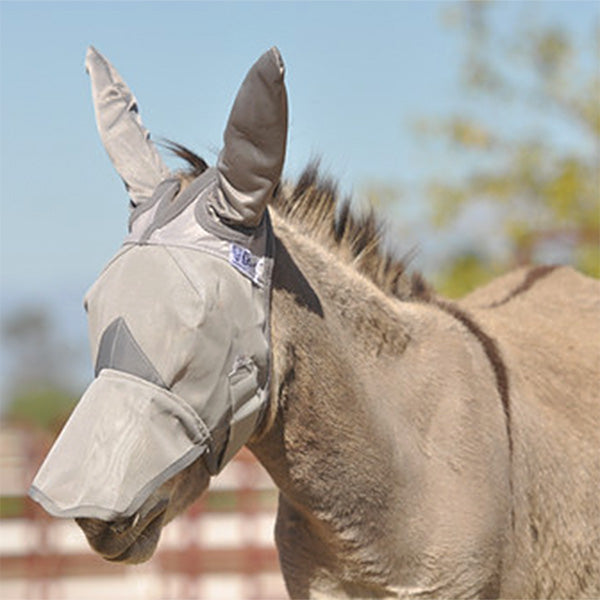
(546,323)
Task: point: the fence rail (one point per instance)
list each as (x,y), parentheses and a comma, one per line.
(222,547)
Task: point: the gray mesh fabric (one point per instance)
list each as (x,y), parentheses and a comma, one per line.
(124,136)
(124,439)
(179,315)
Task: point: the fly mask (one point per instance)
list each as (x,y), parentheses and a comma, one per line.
(179,319)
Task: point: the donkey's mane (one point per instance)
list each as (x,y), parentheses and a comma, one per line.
(313,204)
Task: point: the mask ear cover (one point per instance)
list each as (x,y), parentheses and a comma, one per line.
(121,130)
(251,161)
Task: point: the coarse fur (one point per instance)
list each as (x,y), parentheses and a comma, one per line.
(422,448)
(518,520)
(429,448)
(465,412)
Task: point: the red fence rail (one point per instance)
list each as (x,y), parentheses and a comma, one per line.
(222,547)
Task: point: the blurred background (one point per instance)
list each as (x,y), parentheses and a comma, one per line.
(472,127)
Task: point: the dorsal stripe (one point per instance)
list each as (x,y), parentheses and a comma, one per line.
(498,365)
(531,277)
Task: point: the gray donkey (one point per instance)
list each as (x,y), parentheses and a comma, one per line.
(422,448)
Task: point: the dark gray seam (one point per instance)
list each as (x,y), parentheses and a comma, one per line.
(141,496)
(183,272)
(531,277)
(498,365)
(226,232)
(140,209)
(125,248)
(172,205)
(112,336)
(270,254)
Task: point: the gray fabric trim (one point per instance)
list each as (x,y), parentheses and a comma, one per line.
(253,239)
(108,515)
(169,187)
(172,206)
(169,225)
(79,432)
(220,229)
(118,350)
(268,290)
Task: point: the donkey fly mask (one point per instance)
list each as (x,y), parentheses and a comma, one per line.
(179,319)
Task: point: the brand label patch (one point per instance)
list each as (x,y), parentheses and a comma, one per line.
(249,265)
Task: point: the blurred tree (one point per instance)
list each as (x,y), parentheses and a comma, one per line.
(40,404)
(40,391)
(529,95)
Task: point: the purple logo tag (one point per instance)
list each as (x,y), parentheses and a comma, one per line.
(244,261)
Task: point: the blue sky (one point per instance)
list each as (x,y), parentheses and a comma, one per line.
(358,73)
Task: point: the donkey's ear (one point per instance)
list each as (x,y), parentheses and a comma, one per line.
(250,164)
(122,132)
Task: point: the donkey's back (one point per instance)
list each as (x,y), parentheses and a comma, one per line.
(546,322)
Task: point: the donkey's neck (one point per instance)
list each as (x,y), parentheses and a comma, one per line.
(377,407)
(325,442)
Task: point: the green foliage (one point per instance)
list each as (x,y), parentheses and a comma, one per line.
(12,507)
(41,393)
(467,271)
(545,196)
(42,406)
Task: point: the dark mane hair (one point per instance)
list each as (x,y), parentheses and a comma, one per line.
(196,165)
(313,204)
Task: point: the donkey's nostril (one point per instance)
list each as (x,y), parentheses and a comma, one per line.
(122,525)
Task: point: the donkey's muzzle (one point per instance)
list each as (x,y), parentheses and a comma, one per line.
(125,438)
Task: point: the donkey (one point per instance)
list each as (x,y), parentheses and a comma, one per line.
(422,448)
